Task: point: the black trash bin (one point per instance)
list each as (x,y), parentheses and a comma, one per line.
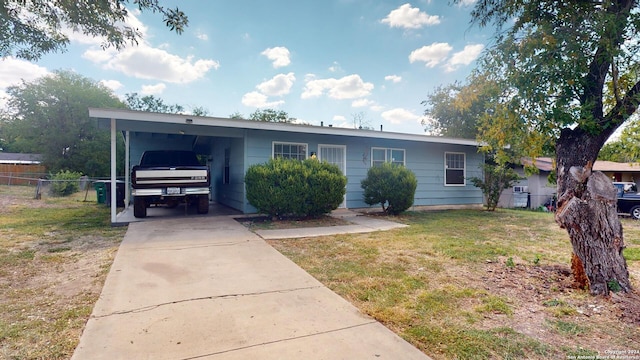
(119,192)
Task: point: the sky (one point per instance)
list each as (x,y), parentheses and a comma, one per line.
(328,61)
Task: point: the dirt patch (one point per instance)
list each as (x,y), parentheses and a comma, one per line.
(548,307)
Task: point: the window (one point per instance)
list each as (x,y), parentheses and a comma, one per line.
(382,155)
(289,150)
(454,165)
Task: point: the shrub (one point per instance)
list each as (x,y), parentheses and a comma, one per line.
(65,183)
(390,185)
(496,179)
(286,187)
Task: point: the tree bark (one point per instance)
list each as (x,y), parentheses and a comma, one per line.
(587,210)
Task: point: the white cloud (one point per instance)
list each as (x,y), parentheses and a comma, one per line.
(13,70)
(258,100)
(431,55)
(202,36)
(393,78)
(153,89)
(377,108)
(339,118)
(145,62)
(348,87)
(362,103)
(279,85)
(279,55)
(399,116)
(409,18)
(99,55)
(112,84)
(464,57)
(467,2)
(335,67)
(131,21)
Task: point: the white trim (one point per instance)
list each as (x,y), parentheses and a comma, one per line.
(190,120)
(386,157)
(464,169)
(344,165)
(114,191)
(273,143)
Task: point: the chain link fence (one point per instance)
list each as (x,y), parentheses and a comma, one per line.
(39,187)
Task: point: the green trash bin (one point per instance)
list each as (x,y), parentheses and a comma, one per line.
(101,191)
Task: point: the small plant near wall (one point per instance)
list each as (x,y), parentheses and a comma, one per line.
(496,179)
(392,186)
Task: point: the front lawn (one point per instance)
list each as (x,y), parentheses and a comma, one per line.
(474,284)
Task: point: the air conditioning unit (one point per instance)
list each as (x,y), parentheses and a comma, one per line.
(520,189)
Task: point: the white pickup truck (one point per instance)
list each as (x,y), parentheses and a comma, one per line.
(169,177)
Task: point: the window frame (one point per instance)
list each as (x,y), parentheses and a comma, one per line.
(388,154)
(464,168)
(274,143)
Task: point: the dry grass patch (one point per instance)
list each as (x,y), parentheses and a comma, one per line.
(54,257)
(444,285)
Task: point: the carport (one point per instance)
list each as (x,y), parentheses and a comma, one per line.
(154,131)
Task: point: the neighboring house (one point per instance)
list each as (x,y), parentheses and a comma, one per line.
(532,191)
(20,169)
(535,190)
(442,165)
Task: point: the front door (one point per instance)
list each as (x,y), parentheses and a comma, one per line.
(336,155)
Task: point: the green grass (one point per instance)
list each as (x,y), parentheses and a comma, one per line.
(429,282)
(38,238)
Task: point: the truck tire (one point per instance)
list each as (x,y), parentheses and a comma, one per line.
(635,212)
(203,204)
(139,207)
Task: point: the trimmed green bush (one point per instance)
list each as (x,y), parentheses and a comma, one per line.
(391,185)
(286,187)
(65,183)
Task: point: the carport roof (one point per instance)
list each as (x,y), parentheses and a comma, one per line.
(132,116)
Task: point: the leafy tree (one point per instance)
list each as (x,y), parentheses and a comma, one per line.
(49,116)
(567,70)
(30,29)
(391,185)
(452,112)
(497,177)
(271,115)
(236,116)
(625,149)
(152,104)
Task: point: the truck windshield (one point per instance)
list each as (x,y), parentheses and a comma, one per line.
(169,158)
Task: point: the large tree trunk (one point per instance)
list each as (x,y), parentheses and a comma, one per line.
(587,210)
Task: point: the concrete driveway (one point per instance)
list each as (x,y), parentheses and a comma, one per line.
(207,288)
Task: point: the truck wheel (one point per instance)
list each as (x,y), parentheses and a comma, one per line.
(635,212)
(203,204)
(139,207)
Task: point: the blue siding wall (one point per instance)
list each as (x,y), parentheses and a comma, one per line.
(231,194)
(426,160)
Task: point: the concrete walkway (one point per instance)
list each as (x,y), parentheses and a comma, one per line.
(207,288)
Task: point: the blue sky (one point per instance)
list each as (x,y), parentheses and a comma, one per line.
(317,60)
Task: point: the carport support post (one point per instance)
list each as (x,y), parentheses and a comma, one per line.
(127,173)
(113,172)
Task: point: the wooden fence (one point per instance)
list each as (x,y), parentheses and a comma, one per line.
(21,174)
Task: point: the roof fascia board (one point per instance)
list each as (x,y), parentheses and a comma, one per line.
(180,119)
